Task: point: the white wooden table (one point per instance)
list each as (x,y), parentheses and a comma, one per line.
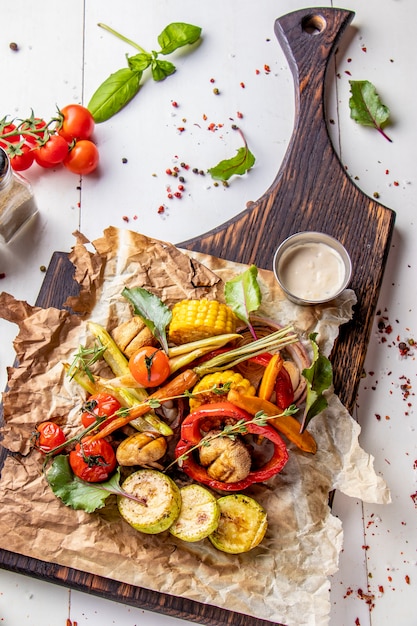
(62,57)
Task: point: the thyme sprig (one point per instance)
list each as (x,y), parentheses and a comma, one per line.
(85,358)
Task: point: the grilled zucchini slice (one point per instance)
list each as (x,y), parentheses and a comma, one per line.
(242,524)
(158,501)
(199,515)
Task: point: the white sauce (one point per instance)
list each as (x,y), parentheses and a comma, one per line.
(312,271)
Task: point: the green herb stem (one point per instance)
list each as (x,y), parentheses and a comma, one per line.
(122,37)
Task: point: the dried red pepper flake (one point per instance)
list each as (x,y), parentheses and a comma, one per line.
(407,579)
(181,129)
(364,49)
(178,194)
(168,171)
(212,80)
(396,183)
(357,622)
(204,117)
(240,115)
(174,104)
(387,172)
(161,209)
(125,218)
(243,85)
(413,496)
(257,72)
(348,73)
(2,275)
(349,60)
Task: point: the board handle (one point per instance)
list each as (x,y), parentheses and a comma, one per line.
(309,38)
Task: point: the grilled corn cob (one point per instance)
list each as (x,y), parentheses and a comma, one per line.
(196,319)
(210,387)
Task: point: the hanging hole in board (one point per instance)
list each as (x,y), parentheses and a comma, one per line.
(313,24)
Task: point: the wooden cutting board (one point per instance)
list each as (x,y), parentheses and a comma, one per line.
(311,192)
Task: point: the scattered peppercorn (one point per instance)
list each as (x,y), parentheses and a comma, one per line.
(13,46)
(42,268)
(2,275)
(124,160)
(216,91)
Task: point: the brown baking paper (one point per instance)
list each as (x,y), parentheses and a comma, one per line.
(283,580)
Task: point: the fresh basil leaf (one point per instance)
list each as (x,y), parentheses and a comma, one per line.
(176,35)
(319,377)
(237,165)
(139,62)
(162,69)
(155,314)
(112,95)
(366,106)
(243,294)
(75,492)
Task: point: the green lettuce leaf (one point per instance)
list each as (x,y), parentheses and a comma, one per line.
(76,493)
(319,377)
(366,106)
(243,294)
(154,313)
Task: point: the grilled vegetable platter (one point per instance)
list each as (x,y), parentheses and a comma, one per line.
(179,412)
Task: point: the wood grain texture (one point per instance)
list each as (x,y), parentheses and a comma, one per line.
(311,192)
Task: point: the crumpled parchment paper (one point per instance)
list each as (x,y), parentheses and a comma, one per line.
(285,579)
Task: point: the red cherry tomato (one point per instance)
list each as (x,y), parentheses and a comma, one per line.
(77,122)
(149,366)
(99,405)
(22,158)
(83,157)
(35,125)
(9,128)
(48,436)
(53,152)
(93,461)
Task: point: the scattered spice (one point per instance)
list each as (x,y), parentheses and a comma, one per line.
(13,46)
(2,275)
(124,160)
(216,91)
(43,268)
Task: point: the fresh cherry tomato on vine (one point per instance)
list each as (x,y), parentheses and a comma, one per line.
(77,122)
(83,157)
(53,152)
(149,366)
(22,158)
(48,436)
(99,405)
(9,128)
(93,461)
(35,125)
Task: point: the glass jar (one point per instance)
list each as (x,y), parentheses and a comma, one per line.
(17,204)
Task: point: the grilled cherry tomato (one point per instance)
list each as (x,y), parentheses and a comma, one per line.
(149,366)
(93,461)
(99,405)
(77,122)
(48,436)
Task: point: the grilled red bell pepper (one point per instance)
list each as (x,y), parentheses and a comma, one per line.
(284,391)
(191,437)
